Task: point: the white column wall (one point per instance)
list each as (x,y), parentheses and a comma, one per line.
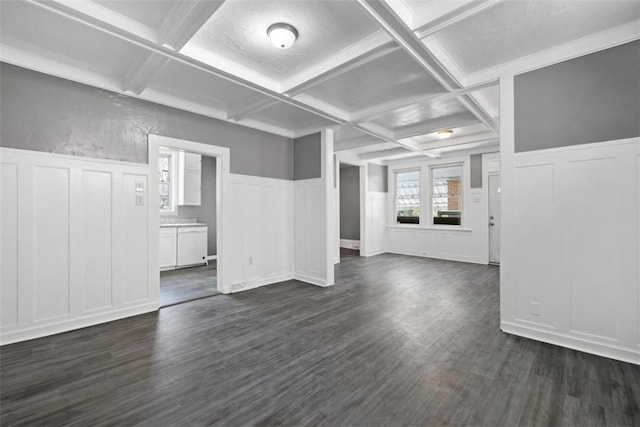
(570,237)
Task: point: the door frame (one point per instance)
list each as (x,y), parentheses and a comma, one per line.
(363,171)
(489,175)
(222,155)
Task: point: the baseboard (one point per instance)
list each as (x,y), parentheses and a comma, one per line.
(240,287)
(44,330)
(350,244)
(446,258)
(573,342)
(373,253)
(311,280)
(212,257)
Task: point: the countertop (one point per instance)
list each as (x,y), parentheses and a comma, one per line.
(185,224)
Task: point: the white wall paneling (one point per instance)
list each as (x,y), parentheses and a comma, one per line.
(467,243)
(310,231)
(315,225)
(74,243)
(574,278)
(262,230)
(375,223)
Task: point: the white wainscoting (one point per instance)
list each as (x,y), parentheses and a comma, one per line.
(310,233)
(375,223)
(74,243)
(262,224)
(574,278)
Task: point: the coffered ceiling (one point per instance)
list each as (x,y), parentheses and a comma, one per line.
(386,75)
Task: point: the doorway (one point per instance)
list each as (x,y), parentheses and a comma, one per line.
(188,256)
(494,219)
(350,215)
(208,263)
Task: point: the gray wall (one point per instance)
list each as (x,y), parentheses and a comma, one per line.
(206,212)
(593,98)
(377,177)
(307,156)
(45,113)
(350,203)
(476,170)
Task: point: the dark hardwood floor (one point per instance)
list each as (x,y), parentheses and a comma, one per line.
(398,341)
(187,284)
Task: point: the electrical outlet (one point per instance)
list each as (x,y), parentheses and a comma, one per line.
(250,260)
(139,200)
(534,308)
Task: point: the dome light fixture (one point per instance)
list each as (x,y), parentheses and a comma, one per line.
(444,134)
(282,35)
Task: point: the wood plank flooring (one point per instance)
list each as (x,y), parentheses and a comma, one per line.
(187,284)
(398,341)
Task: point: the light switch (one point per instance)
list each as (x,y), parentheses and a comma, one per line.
(139,187)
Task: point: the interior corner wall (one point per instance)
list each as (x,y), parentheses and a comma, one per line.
(571,204)
(375,210)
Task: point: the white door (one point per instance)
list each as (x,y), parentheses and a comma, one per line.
(494,219)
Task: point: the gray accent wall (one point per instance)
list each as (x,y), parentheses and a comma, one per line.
(350,203)
(307,157)
(475,164)
(593,98)
(377,177)
(206,212)
(45,113)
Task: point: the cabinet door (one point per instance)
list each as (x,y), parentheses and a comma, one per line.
(192,246)
(168,244)
(192,184)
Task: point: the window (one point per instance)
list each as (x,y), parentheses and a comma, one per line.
(408,197)
(166,168)
(446,195)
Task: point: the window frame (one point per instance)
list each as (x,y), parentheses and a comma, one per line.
(434,167)
(395,197)
(173,181)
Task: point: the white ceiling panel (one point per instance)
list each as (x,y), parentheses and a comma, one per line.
(288,117)
(517,28)
(392,76)
(147,12)
(40,32)
(186,82)
(424,112)
(238,33)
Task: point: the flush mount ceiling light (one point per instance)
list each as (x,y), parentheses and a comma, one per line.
(444,134)
(282,35)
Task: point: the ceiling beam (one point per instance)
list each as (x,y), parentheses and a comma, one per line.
(240,112)
(454,16)
(143,70)
(439,143)
(407,39)
(377,111)
(384,154)
(184,21)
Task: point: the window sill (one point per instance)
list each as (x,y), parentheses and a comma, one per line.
(428,228)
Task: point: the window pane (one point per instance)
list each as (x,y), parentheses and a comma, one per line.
(408,197)
(164,186)
(446,195)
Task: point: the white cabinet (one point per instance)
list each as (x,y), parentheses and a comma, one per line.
(189,178)
(168,247)
(192,246)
